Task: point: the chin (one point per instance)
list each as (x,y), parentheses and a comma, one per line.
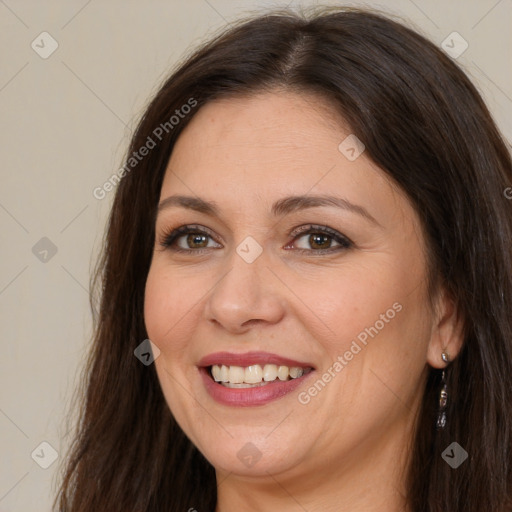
(255,451)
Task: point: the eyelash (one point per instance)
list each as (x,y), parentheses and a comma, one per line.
(171,236)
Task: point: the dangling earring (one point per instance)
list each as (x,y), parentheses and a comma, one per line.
(443,396)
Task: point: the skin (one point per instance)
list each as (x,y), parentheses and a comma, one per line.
(346,449)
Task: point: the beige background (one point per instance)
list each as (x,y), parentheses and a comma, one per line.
(65,122)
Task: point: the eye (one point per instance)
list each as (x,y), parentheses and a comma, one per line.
(188,239)
(198,239)
(320,239)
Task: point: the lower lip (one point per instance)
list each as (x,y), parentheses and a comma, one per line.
(247,397)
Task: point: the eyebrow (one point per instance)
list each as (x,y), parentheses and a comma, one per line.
(281,207)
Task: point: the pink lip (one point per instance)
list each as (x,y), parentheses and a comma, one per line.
(247,397)
(249,358)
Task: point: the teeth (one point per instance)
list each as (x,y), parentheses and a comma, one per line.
(283,372)
(236,374)
(239,376)
(220,373)
(296,372)
(270,372)
(253,374)
(224,373)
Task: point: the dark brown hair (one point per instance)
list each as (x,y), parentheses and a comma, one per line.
(424,123)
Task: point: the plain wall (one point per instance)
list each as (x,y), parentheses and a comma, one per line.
(65,123)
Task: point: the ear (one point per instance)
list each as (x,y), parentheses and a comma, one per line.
(447,330)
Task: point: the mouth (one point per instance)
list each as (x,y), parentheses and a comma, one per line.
(254,378)
(255,375)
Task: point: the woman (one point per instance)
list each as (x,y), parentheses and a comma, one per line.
(311,229)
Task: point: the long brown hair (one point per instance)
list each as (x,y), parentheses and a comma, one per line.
(423,122)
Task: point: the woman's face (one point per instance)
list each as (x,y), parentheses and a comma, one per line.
(266,287)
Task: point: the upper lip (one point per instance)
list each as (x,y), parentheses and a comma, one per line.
(249,358)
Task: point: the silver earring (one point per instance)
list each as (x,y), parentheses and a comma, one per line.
(443,396)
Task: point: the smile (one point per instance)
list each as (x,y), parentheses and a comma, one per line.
(251,379)
(254,375)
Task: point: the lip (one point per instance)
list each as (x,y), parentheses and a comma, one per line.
(249,358)
(249,397)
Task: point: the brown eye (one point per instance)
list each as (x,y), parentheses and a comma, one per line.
(197,238)
(320,239)
(189,239)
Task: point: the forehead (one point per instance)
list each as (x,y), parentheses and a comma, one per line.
(272,119)
(268,133)
(267,145)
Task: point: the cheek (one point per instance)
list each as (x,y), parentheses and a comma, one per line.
(168,307)
(373,317)
(346,303)
(169,316)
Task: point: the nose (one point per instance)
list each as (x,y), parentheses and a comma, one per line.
(248,294)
